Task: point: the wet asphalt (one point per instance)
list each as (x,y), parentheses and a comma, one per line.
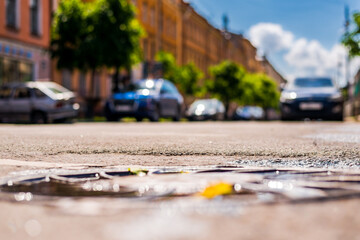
(312,145)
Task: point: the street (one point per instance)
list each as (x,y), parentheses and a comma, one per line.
(42,149)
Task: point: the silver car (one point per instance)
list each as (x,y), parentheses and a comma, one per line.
(36,102)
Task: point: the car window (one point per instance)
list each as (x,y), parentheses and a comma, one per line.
(5,93)
(168,88)
(39,93)
(22,93)
(147,84)
(313,82)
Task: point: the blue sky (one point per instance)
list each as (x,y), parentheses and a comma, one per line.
(300,37)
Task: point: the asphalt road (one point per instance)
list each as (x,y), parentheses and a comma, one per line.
(307,145)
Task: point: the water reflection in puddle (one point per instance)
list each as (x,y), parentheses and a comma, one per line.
(224,189)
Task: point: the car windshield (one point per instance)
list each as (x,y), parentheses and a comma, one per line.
(313,82)
(147,84)
(55,88)
(205,103)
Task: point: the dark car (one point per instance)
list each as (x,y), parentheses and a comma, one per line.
(149,98)
(314,98)
(206,109)
(249,113)
(36,102)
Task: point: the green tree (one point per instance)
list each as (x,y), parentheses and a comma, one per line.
(116,34)
(170,70)
(226,83)
(89,36)
(189,78)
(68,32)
(351,39)
(260,90)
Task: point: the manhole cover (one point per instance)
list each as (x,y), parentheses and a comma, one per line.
(234,184)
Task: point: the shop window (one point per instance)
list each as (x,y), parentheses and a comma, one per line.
(11,13)
(15,71)
(34,17)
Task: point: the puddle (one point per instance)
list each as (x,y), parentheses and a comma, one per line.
(236,184)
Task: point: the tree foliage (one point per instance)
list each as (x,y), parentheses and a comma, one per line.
(231,83)
(351,39)
(186,77)
(226,82)
(260,90)
(69,31)
(102,33)
(170,70)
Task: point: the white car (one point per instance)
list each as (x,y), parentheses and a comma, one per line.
(36,102)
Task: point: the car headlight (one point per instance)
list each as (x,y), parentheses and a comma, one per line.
(337,97)
(286,96)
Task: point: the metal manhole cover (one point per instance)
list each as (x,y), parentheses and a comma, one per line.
(231,184)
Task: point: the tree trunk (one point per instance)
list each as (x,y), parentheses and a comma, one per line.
(227,107)
(116,80)
(90,100)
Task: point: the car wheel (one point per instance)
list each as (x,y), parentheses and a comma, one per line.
(38,118)
(139,119)
(111,118)
(177,116)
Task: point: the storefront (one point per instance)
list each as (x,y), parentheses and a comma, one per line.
(20,63)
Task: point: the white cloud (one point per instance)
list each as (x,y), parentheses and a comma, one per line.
(270,37)
(303,57)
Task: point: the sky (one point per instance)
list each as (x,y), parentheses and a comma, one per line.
(299,37)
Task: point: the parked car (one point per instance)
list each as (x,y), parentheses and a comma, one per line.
(36,102)
(311,98)
(149,98)
(206,109)
(249,113)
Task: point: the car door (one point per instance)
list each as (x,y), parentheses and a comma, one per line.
(5,95)
(21,104)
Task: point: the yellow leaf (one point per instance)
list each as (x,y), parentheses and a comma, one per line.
(217,189)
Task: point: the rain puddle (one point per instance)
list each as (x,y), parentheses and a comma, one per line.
(226,185)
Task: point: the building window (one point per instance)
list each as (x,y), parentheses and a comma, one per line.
(144,11)
(152,16)
(34,17)
(11,13)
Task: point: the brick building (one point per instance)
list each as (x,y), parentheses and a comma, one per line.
(24,40)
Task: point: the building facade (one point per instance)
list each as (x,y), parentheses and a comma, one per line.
(24,40)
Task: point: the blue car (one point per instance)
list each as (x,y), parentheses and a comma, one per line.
(149,98)
(311,98)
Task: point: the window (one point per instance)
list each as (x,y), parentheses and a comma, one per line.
(39,93)
(22,93)
(5,93)
(144,11)
(11,13)
(34,17)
